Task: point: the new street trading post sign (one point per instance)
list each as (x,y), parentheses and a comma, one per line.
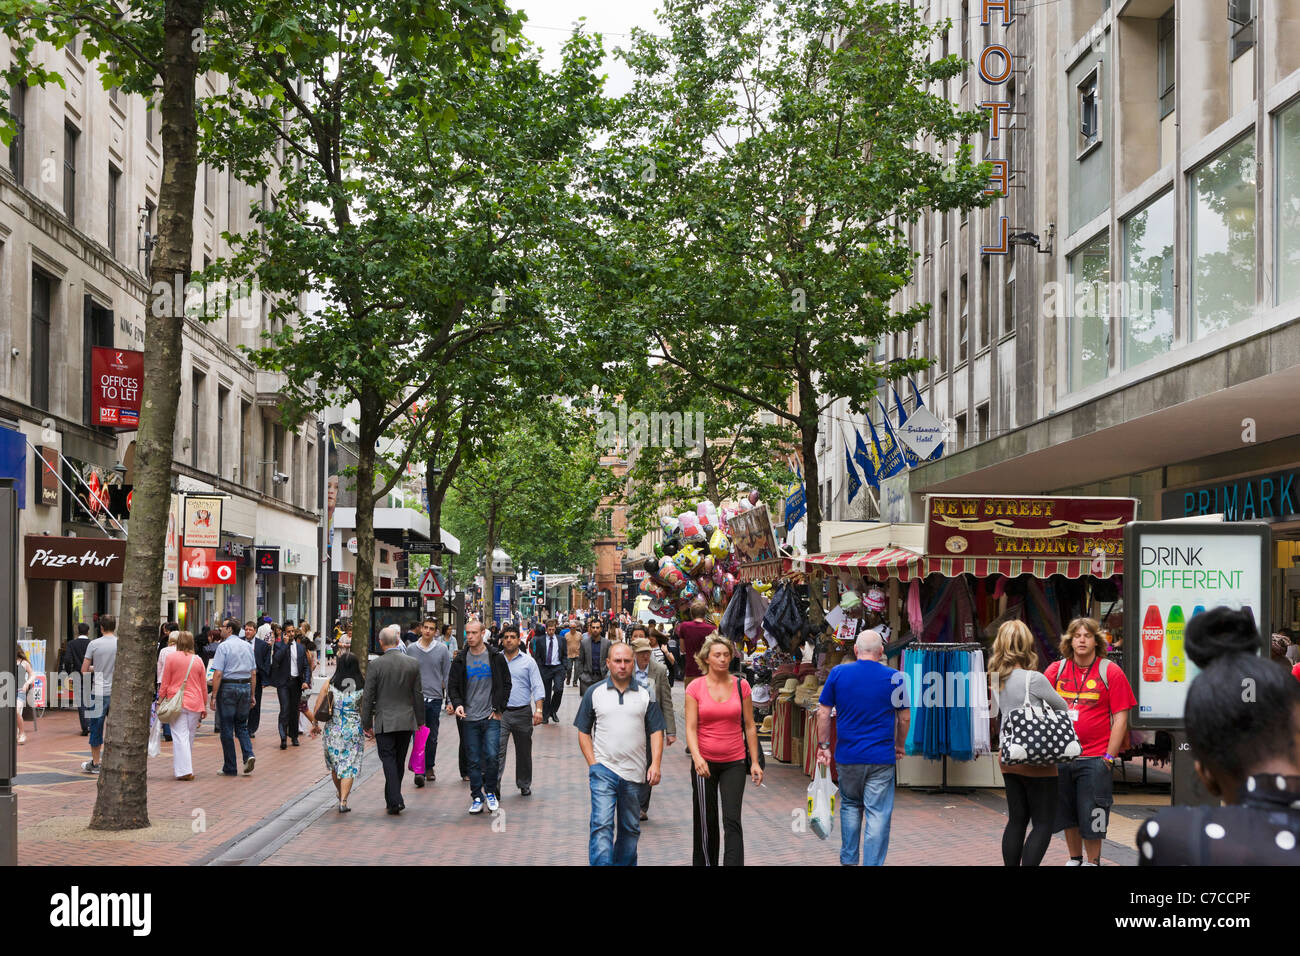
(1026,526)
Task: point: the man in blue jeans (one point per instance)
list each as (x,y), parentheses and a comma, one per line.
(478,688)
(434,660)
(99,662)
(234,684)
(618,721)
(871,721)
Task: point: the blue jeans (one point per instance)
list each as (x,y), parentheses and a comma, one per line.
(482,741)
(96,711)
(615,805)
(432,714)
(233,703)
(865,788)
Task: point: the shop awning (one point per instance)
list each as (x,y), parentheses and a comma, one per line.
(904,564)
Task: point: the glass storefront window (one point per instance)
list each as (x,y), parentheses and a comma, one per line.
(1089,313)
(1288,203)
(1223,239)
(1147,296)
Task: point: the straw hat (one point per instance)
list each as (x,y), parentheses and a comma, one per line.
(766,727)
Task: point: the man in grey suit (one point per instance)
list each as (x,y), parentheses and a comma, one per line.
(392,707)
(592,663)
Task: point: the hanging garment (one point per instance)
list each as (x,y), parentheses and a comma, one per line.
(912,658)
(981,735)
(915,619)
(755,608)
(957,704)
(732,624)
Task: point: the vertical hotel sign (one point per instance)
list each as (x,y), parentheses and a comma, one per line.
(995,69)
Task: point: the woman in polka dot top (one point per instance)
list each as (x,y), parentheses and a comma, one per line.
(1247,755)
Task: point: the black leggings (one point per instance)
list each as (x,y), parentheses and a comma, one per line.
(1028,798)
(728,781)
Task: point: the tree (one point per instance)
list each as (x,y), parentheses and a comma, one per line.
(776,150)
(430,202)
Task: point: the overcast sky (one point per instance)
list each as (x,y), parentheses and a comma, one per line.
(550,21)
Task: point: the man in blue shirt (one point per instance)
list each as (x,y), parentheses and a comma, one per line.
(524,710)
(234,677)
(871,721)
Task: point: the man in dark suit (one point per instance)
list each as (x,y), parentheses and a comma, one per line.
(392,708)
(592,667)
(262,655)
(73,655)
(550,652)
(290,676)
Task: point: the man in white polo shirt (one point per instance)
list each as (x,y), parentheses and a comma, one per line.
(615,719)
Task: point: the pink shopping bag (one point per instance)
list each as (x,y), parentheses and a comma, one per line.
(417,750)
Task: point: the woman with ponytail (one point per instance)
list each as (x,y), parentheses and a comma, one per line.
(1243,725)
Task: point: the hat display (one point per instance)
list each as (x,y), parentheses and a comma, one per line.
(639,645)
(788,690)
(766,727)
(875,600)
(850,600)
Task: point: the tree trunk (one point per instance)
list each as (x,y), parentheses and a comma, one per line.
(809,426)
(363,595)
(712,490)
(122,799)
(490,591)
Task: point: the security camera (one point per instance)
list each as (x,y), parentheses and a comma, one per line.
(279,478)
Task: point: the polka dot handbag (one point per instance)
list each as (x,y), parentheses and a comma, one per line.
(1038,735)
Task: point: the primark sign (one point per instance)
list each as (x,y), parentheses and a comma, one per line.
(1271,497)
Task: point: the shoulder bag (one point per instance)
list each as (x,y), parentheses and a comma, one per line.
(1038,736)
(325,712)
(171,709)
(744,738)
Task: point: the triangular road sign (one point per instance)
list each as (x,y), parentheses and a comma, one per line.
(430,586)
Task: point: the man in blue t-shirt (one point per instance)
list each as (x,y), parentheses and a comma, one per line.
(871,720)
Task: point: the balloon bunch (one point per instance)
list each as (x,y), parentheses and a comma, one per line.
(696,559)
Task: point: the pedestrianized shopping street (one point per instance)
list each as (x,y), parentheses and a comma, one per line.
(284,813)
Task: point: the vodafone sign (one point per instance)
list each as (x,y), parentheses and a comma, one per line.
(224,571)
(117,379)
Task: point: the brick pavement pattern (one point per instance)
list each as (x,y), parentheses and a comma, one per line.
(193,822)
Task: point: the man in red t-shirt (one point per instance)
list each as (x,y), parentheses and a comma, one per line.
(690,638)
(1099,698)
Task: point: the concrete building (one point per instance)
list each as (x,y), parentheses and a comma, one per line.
(1154,351)
(78,199)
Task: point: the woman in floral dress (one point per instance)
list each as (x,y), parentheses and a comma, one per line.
(344,743)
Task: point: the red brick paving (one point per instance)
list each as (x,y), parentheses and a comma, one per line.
(550,827)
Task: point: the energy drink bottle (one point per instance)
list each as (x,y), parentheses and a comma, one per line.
(1153,638)
(1174,635)
(1192,669)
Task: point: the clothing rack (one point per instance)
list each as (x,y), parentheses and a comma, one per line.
(943,762)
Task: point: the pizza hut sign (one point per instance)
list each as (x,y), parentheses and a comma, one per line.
(52,558)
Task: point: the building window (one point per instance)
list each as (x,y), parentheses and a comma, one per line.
(42,287)
(70,137)
(1147,296)
(1241,22)
(1009,302)
(1223,238)
(965,40)
(223,396)
(383,555)
(114,177)
(943,332)
(1165,57)
(1090,111)
(148,121)
(1288,203)
(196,393)
(985,326)
(963,322)
(1089,311)
(148,231)
(961,431)
(982,423)
(18,110)
(244,424)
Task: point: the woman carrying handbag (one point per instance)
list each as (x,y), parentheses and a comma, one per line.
(337,706)
(183,702)
(1031,787)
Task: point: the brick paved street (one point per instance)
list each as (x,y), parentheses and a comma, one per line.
(549,827)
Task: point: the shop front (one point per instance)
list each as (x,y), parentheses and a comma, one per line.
(238,550)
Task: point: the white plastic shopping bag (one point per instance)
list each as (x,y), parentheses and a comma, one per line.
(155,737)
(821,802)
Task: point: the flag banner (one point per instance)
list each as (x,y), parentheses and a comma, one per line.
(855,483)
(926,428)
(868,462)
(909,456)
(888,456)
(796,504)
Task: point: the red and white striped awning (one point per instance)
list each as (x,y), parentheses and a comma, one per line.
(893,562)
(903,564)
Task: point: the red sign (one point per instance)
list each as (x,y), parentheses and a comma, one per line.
(224,572)
(198,567)
(117,379)
(1025,526)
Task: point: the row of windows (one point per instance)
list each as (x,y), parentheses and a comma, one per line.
(1221,231)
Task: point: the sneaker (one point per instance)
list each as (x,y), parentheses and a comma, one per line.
(22,738)
(492,802)
(1074,862)
(476,806)
(248,764)
(90,767)
(432,776)
(1089,863)
(419,781)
